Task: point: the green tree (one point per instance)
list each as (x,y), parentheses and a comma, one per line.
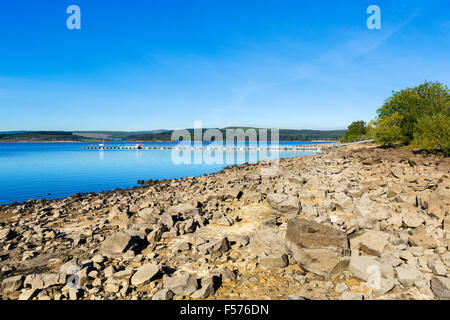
(388,129)
(433,132)
(356,131)
(411,104)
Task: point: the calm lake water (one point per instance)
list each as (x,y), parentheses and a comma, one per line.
(56,170)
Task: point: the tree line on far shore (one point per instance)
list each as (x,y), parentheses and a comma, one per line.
(416,118)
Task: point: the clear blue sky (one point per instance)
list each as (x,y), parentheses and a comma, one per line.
(141,65)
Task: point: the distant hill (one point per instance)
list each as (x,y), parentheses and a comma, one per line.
(114,135)
(158,135)
(39,136)
(284,135)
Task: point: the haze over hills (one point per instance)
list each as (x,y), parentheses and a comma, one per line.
(154,135)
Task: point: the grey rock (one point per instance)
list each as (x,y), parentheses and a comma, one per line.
(371,242)
(115,244)
(44,280)
(189,226)
(378,275)
(145,273)
(186,209)
(214,280)
(441,287)
(71,267)
(420,237)
(322,261)
(182,285)
(407,274)
(148,216)
(227,275)
(413,220)
(436,265)
(221,245)
(119,217)
(123,274)
(274,261)
(343,201)
(313,235)
(204,292)
(166,219)
(155,235)
(267,241)
(11,284)
(164,294)
(224,221)
(284,203)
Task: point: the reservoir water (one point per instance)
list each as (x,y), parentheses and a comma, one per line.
(56,170)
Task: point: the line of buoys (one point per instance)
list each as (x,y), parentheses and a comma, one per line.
(310,147)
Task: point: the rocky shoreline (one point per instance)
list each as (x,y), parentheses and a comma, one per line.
(358,222)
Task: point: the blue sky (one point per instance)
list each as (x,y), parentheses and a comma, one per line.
(142,65)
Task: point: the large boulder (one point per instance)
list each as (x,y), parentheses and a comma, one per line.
(146,218)
(436,203)
(441,287)
(343,201)
(116,243)
(185,209)
(407,274)
(11,284)
(182,285)
(378,275)
(274,261)
(167,219)
(71,267)
(145,273)
(412,220)
(371,242)
(164,294)
(204,292)
(321,261)
(267,241)
(155,235)
(317,248)
(420,237)
(222,245)
(436,265)
(44,280)
(284,203)
(310,234)
(119,217)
